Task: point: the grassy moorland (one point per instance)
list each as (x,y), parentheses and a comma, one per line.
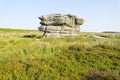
(25,55)
(13,30)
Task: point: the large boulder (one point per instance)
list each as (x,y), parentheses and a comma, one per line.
(60,25)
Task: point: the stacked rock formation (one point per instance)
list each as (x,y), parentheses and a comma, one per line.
(57,25)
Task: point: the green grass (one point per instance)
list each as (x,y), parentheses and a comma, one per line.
(83,57)
(12,30)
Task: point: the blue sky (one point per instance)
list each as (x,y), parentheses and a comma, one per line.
(99,15)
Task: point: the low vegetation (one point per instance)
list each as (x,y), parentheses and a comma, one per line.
(13,30)
(28,56)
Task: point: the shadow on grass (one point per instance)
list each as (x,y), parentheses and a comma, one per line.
(32,36)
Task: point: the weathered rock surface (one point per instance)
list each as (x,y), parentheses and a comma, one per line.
(57,25)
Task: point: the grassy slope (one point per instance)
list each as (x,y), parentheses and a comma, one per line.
(12,30)
(68,58)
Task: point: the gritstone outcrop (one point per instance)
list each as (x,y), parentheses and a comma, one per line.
(57,25)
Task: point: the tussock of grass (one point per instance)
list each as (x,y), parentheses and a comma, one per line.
(68,58)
